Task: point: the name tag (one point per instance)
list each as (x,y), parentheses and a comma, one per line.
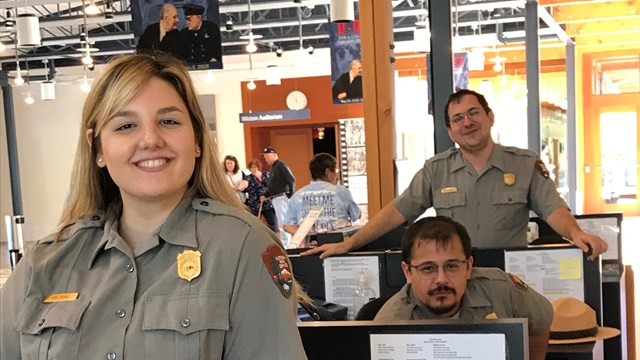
(450,189)
(57,297)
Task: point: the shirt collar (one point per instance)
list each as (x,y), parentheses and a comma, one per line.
(179,229)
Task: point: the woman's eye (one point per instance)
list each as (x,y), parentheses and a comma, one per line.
(124,127)
(169,122)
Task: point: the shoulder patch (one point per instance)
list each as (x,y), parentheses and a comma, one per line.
(518,282)
(277,264)
(541,169)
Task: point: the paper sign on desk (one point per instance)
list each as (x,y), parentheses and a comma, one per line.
(438,346)
(304,227)
(570,268)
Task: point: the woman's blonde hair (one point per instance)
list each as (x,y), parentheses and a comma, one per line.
(92,188)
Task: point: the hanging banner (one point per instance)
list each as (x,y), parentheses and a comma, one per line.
(346,69)
(460,75)
(187,30)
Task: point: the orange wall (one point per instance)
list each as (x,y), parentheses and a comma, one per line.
(267,98)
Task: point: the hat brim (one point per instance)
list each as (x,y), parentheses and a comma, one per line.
(603,333)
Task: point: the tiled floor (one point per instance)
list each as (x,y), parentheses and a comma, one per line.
(631,256)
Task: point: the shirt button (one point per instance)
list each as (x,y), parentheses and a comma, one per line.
(111,355)
(40,322)
(185,322)
(129,268)
(95,218)
(121,313)
(204,203)
(477,226)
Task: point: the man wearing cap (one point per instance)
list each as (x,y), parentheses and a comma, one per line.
(281,186)
(442,284)
(200,41)
(161,36)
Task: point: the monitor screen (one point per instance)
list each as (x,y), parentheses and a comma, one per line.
(353,340)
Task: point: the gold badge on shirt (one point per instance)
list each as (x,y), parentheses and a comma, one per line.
(450,189)
(509,179)
(189,264)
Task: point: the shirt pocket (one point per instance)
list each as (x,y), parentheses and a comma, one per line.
(38,322)
(509,208)
(186,326)
(448,204)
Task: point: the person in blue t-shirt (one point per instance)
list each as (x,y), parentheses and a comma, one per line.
(338,208)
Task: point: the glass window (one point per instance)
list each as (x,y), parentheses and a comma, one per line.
(616,75)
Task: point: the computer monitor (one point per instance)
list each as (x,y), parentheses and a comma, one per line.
(352,340)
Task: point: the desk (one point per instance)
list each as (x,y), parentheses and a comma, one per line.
(586,351)
(614,313)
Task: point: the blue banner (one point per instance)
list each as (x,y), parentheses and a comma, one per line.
(193,36)
(346,68)
(460,75)
(276,115)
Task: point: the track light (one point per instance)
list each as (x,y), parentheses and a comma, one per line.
(91,66)
(29,99)
(229,23)
(279,51)
(9,22)
(310,49)
(108,10)
(251,85)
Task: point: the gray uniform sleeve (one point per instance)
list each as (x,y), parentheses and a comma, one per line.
(12,295)
(263,319)
(534,306)
(544,196)
(417,198)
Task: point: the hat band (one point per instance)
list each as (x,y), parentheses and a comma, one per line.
(577,334)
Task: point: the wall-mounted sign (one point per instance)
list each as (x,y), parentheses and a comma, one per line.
(275,115)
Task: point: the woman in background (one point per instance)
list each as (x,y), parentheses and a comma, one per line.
(235,177)
(155,257)
(257,201)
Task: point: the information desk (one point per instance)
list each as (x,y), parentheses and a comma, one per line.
(351,340)
(310,271)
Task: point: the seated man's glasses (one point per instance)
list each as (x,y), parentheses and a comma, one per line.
(472,114)
(430,269)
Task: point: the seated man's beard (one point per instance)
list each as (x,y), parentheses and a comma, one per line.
(442,309)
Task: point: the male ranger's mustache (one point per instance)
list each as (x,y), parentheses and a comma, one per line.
(441,289)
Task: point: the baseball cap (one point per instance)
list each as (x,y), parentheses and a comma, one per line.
(269,150)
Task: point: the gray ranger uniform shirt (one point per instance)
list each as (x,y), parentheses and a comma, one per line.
(493,206)
(135,306)
(491,293)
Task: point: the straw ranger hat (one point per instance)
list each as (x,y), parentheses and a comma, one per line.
(574,322)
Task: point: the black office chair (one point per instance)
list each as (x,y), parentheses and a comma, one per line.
(369,310)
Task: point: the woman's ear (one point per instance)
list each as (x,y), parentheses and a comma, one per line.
(89,136)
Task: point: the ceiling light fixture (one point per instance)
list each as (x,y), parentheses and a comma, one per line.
(251,46)
(27,29)
(18,79)
(85,87)
(310,50)
(48,87)
(279,51)
(251,85)
(29,99)
(341,11)
(91,9)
